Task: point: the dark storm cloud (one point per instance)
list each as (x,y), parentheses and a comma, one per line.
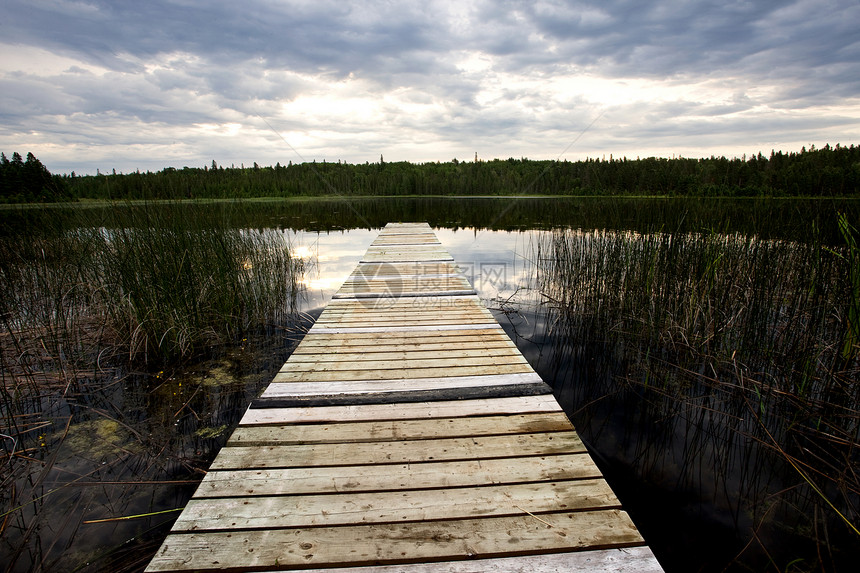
(665,38)
(338,37)
(385,40)
(444,71)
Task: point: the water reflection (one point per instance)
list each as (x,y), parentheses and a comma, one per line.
(330,257)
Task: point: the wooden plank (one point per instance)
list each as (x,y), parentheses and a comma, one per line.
(440,283)
(411,290)
(489,331)
(397,329)
(406,304)
(327,388)
(365,478)
(405,240)
(395,506)
(388,430)
(407,248)
(627,560)
(315,343)
(405,258)
(398,324)
(436,280)
(403,306)
(381,544)
(399,226)
(383,313)
(358,374)
(427,410)
(405,396)
(447,303)
(406,251)
(406,269)
(385,316)
(350,345)
(389,310)
(398,452)
(448,353)
(401,292)
(323,364)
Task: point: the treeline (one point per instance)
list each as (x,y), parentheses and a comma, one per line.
(828,171)
(28,181)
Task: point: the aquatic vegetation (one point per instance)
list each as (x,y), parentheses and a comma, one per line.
(738,357)
(84,303)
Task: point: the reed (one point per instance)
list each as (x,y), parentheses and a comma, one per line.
(149,283)
(85,300)
(743,349)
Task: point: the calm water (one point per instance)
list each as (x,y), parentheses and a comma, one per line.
(128,443)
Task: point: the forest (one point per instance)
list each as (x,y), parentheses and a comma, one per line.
(28,181)
(823,172)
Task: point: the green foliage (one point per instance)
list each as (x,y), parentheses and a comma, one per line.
(29,181)
(147,283)
(829,171)
(750,336)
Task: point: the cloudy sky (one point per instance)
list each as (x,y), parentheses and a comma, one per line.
(131,84)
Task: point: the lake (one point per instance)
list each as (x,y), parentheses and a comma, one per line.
(705,350)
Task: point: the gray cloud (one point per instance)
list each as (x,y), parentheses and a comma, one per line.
(351,79)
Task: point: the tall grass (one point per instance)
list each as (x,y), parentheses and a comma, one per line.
(150,283)
(745,350)
(99,295)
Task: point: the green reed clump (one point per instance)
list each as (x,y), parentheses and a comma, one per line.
(757,336)
(82,298)
(148,282)
(174,283)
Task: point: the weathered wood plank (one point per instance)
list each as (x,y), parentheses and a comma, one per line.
(489,332)
(425,410)
(406,269)
(627,560)
(395,543)
(387,241)
(362,346)
(529,377)
(446,303)
(397,452)
(395,506)
(449,353)
(458,383)
(401,290)
(404,304)
(365,478)
(322,364)
(394,293)
(454,392)
(321,329)
(377,258)
(475,316)
(398,281)
(358,374)
(388,430)
(406,251)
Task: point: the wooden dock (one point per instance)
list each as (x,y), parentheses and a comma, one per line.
(405,433)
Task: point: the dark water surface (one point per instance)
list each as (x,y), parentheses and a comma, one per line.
(110,456)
